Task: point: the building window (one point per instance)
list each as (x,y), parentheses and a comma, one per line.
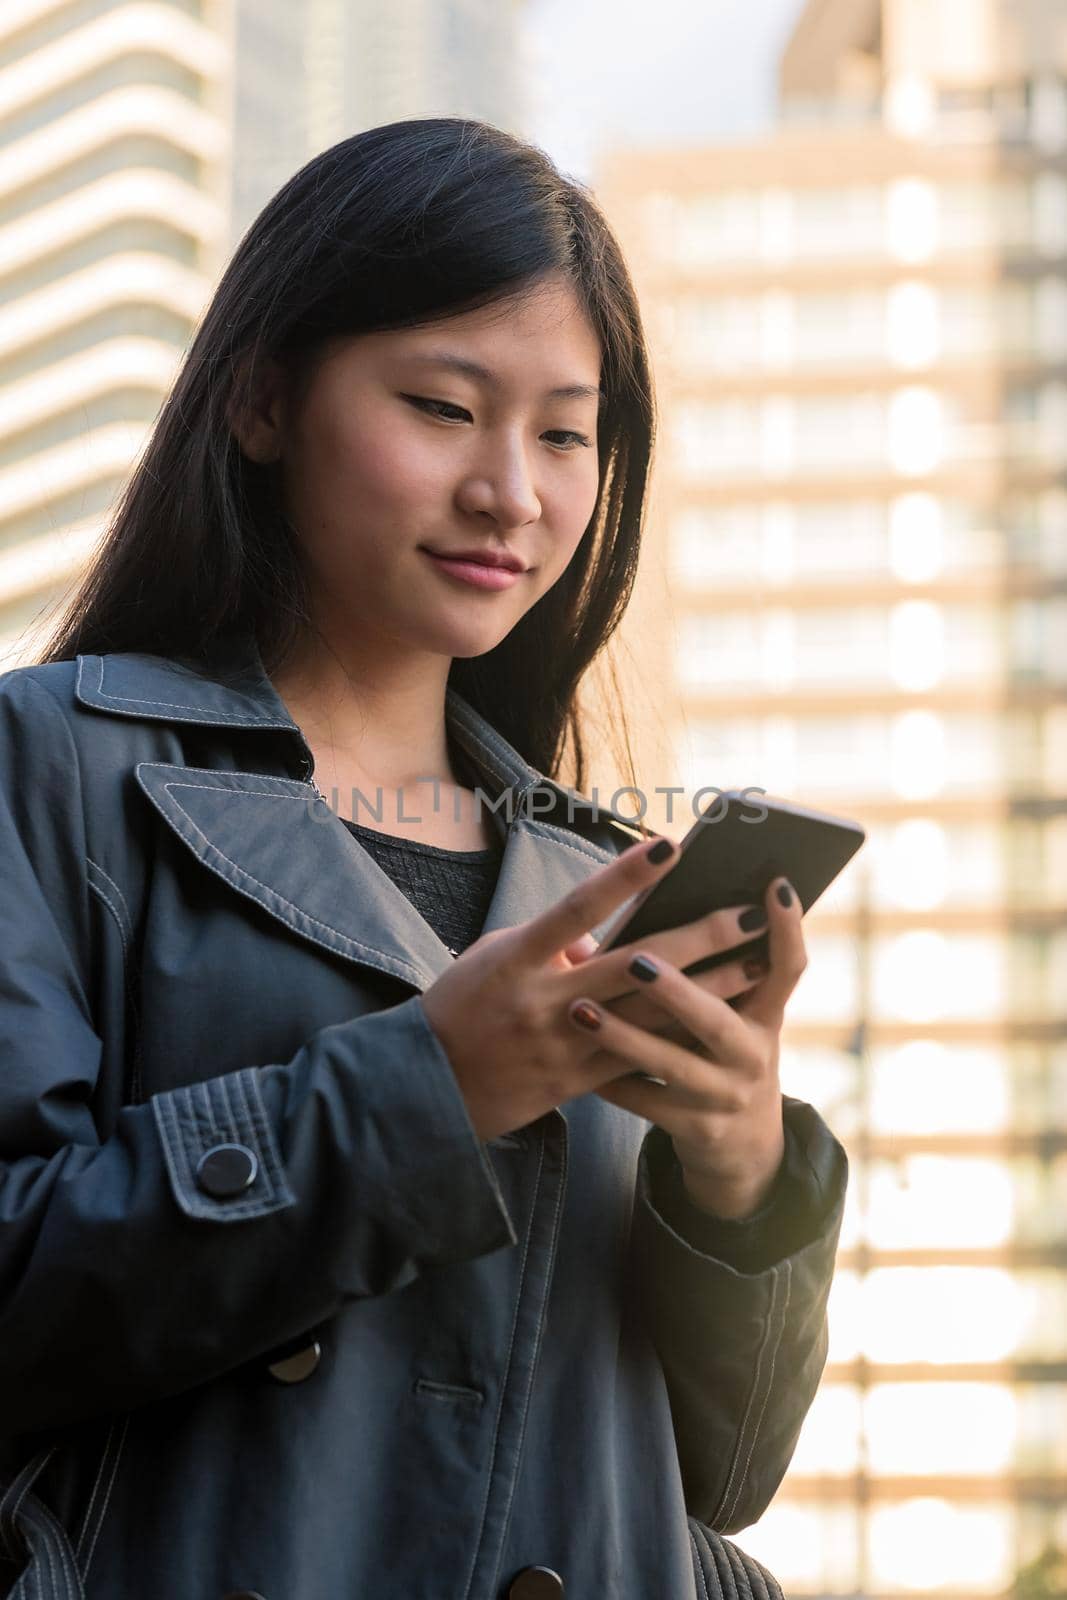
(716,227)
(927,1087)
(836,222)
(716,438)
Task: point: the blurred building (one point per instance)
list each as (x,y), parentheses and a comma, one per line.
(860,329)
(113,166)
(311,72)
(138,138)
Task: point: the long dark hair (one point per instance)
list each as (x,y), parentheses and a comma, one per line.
(399,226)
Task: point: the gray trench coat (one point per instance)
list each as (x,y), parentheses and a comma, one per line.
(273,1322)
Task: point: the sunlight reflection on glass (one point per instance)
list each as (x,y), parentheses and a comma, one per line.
(922,976)
(926,1544)
(918,754)
(829,1439)
(926,1428)
(936,1314)
(949,1201)
(916,644)
(916,536)
(916,426)
(924,1086)
(811,1548)
(915,869)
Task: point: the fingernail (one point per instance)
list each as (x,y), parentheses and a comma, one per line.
(785,895)
(755,917)
(586,1015)
(754,967)
(660,851)
(641,967)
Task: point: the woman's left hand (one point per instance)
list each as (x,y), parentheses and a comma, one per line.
(720,1099)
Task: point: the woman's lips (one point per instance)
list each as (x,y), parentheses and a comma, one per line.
(474,572)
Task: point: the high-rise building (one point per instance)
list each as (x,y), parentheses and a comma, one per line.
(113,159)
(138,138)
(860,331)
(309,74)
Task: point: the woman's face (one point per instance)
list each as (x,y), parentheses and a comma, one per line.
(394,459)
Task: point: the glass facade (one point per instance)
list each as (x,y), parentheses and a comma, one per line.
(899,218)
(109,226)
(864,527)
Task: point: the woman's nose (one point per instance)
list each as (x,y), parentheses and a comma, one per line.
(503,488)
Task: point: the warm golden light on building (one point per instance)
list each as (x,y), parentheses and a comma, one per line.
(860,336)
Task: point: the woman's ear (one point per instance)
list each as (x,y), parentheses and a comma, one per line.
(256,410)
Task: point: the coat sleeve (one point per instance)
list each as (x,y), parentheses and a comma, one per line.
(128,1271)
(738,1315)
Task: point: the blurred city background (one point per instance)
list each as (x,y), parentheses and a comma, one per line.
(847,221)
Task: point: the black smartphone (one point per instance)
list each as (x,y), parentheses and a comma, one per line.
(738,844)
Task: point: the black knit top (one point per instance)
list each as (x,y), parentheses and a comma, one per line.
(451,889)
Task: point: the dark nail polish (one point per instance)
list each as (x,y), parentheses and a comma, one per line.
(755,917)
(754,967)
(586,1015)
(660,851)
(785,895)
(641,967)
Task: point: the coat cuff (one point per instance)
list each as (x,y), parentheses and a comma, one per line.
(794,1213)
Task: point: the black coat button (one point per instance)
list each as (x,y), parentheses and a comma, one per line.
(226,1170)
(536,1583)
(298,1366)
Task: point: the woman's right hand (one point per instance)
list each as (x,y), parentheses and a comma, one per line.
(500,1012)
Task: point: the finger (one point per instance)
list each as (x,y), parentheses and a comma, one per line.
(710,1020)
(788,958)
(704,1087)
(734,979)
(728,982)
(581,949)
(637,868)
(607,977)
(655,1102)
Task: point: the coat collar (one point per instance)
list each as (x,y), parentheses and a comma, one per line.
(276,841)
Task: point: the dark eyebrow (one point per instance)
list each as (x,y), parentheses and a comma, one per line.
(473,369)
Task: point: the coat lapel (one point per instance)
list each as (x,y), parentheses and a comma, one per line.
(275,841)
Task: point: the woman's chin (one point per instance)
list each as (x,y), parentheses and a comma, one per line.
(468,652)
(465,643)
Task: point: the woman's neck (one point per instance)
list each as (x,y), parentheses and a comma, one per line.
(384,726)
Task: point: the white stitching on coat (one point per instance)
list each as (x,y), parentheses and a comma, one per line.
(177,1158)
(770,1382)
(47,1520)
(346,939)
(248,1087)
(699,1565)
(499,770)
(568,841)
(107,1498)
(96,1485)
(30,1472)
(247,719)
(725,1503)
(110,880)
(103,895)
(507,1373)
(549,1269)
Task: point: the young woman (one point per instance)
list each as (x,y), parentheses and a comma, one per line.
(343,1253)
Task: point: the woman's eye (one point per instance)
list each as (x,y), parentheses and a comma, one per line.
(438,408)
(579,440)
(435,407)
